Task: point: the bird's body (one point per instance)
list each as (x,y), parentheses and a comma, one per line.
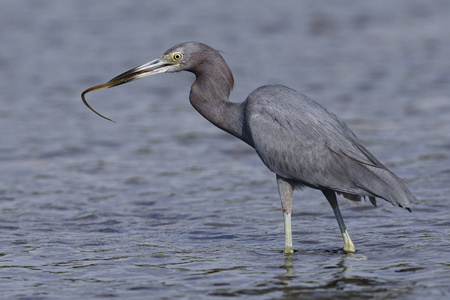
(299,140)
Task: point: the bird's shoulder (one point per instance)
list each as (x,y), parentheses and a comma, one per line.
(285,109)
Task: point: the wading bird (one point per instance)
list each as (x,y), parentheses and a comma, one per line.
(299,140)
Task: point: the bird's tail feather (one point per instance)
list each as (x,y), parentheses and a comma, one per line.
(385,184)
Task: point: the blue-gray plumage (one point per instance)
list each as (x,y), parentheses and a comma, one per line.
(299,140)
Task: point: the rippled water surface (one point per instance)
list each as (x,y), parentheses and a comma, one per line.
(163,205)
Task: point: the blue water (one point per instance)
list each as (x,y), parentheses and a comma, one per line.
(163,205)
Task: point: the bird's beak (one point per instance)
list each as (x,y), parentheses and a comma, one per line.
(153,67)
(156,66)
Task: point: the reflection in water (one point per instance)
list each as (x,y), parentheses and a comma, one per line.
(339,279)
(289,266)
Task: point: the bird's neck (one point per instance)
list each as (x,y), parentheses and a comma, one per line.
(209,96)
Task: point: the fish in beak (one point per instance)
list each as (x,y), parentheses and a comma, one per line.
(157,66)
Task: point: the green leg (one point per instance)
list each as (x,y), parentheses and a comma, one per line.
(331,197)
(286,191)
(348,244)
(288,248)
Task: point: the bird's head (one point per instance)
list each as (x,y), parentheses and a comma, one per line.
(182,57)
(173,60)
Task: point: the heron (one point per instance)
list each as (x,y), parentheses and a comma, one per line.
(299,140)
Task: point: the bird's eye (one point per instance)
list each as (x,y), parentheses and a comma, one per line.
(177,56)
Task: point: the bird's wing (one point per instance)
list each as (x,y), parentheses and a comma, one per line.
(300,140)
(299,145)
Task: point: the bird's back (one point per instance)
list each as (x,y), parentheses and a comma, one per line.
(301,141)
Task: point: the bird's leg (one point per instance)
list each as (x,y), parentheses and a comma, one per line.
(288,247)
(286,191)
(331,197)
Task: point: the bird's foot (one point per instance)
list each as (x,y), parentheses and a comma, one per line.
(348,244)
(349,248)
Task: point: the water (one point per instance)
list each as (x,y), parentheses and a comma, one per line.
(163,205)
